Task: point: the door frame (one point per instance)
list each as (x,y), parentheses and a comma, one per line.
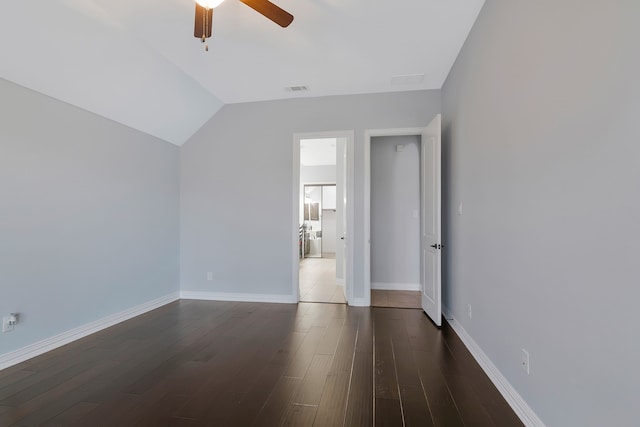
(368,135)
(349,136)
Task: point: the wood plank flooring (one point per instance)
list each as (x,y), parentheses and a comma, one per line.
(204,363)
(396,299)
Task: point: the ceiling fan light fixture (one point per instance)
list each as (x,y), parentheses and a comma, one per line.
(209,4)
(204,15)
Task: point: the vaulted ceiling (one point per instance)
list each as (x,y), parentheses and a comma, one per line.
(136,61)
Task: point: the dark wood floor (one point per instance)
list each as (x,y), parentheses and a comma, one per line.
(197,363)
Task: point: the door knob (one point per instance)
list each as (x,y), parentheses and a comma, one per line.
(342,238)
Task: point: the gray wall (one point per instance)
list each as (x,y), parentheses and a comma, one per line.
(88,216)
(542,148)
(395,197)
(243,156)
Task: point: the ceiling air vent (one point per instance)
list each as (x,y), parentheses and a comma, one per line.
(298,88)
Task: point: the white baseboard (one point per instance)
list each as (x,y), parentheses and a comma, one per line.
(48,344)
(224,296)
(360,302)
(513,398)
(386,286)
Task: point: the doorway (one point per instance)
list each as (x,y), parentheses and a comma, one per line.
(323,216)
(317,274)
(395,221)
(429,214)
(319,221)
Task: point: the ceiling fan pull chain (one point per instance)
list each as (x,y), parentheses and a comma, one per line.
(204,25)
(205,29)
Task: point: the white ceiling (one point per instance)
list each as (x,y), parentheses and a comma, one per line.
(137,62)
(318,152)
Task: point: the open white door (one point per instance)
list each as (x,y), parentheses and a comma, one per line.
(431,245)
(342,202)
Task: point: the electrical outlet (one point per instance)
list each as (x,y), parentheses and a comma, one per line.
(469,313)
(8,323)
(210,275)
(525,361)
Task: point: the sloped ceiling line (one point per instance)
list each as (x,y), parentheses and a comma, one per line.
(137,63)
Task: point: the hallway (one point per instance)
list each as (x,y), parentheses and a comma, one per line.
(318,281)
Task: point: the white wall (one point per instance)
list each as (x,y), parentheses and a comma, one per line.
(329,231)
(329,197)
(541,145)
(227,160)
(395,208)
(325,174)
(88,216)
(329,220)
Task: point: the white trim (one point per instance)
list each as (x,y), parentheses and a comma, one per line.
(360,302)
(513,398)
(368,134)
(340,282)
(386,286)
(239,297)
(48,344)
(295,221)
(351,241)
(295,273)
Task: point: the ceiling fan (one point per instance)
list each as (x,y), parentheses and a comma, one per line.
(204,15)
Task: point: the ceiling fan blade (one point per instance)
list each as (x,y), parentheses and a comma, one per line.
(271,11)
(203,22)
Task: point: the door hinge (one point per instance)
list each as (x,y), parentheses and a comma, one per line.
(437,246)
